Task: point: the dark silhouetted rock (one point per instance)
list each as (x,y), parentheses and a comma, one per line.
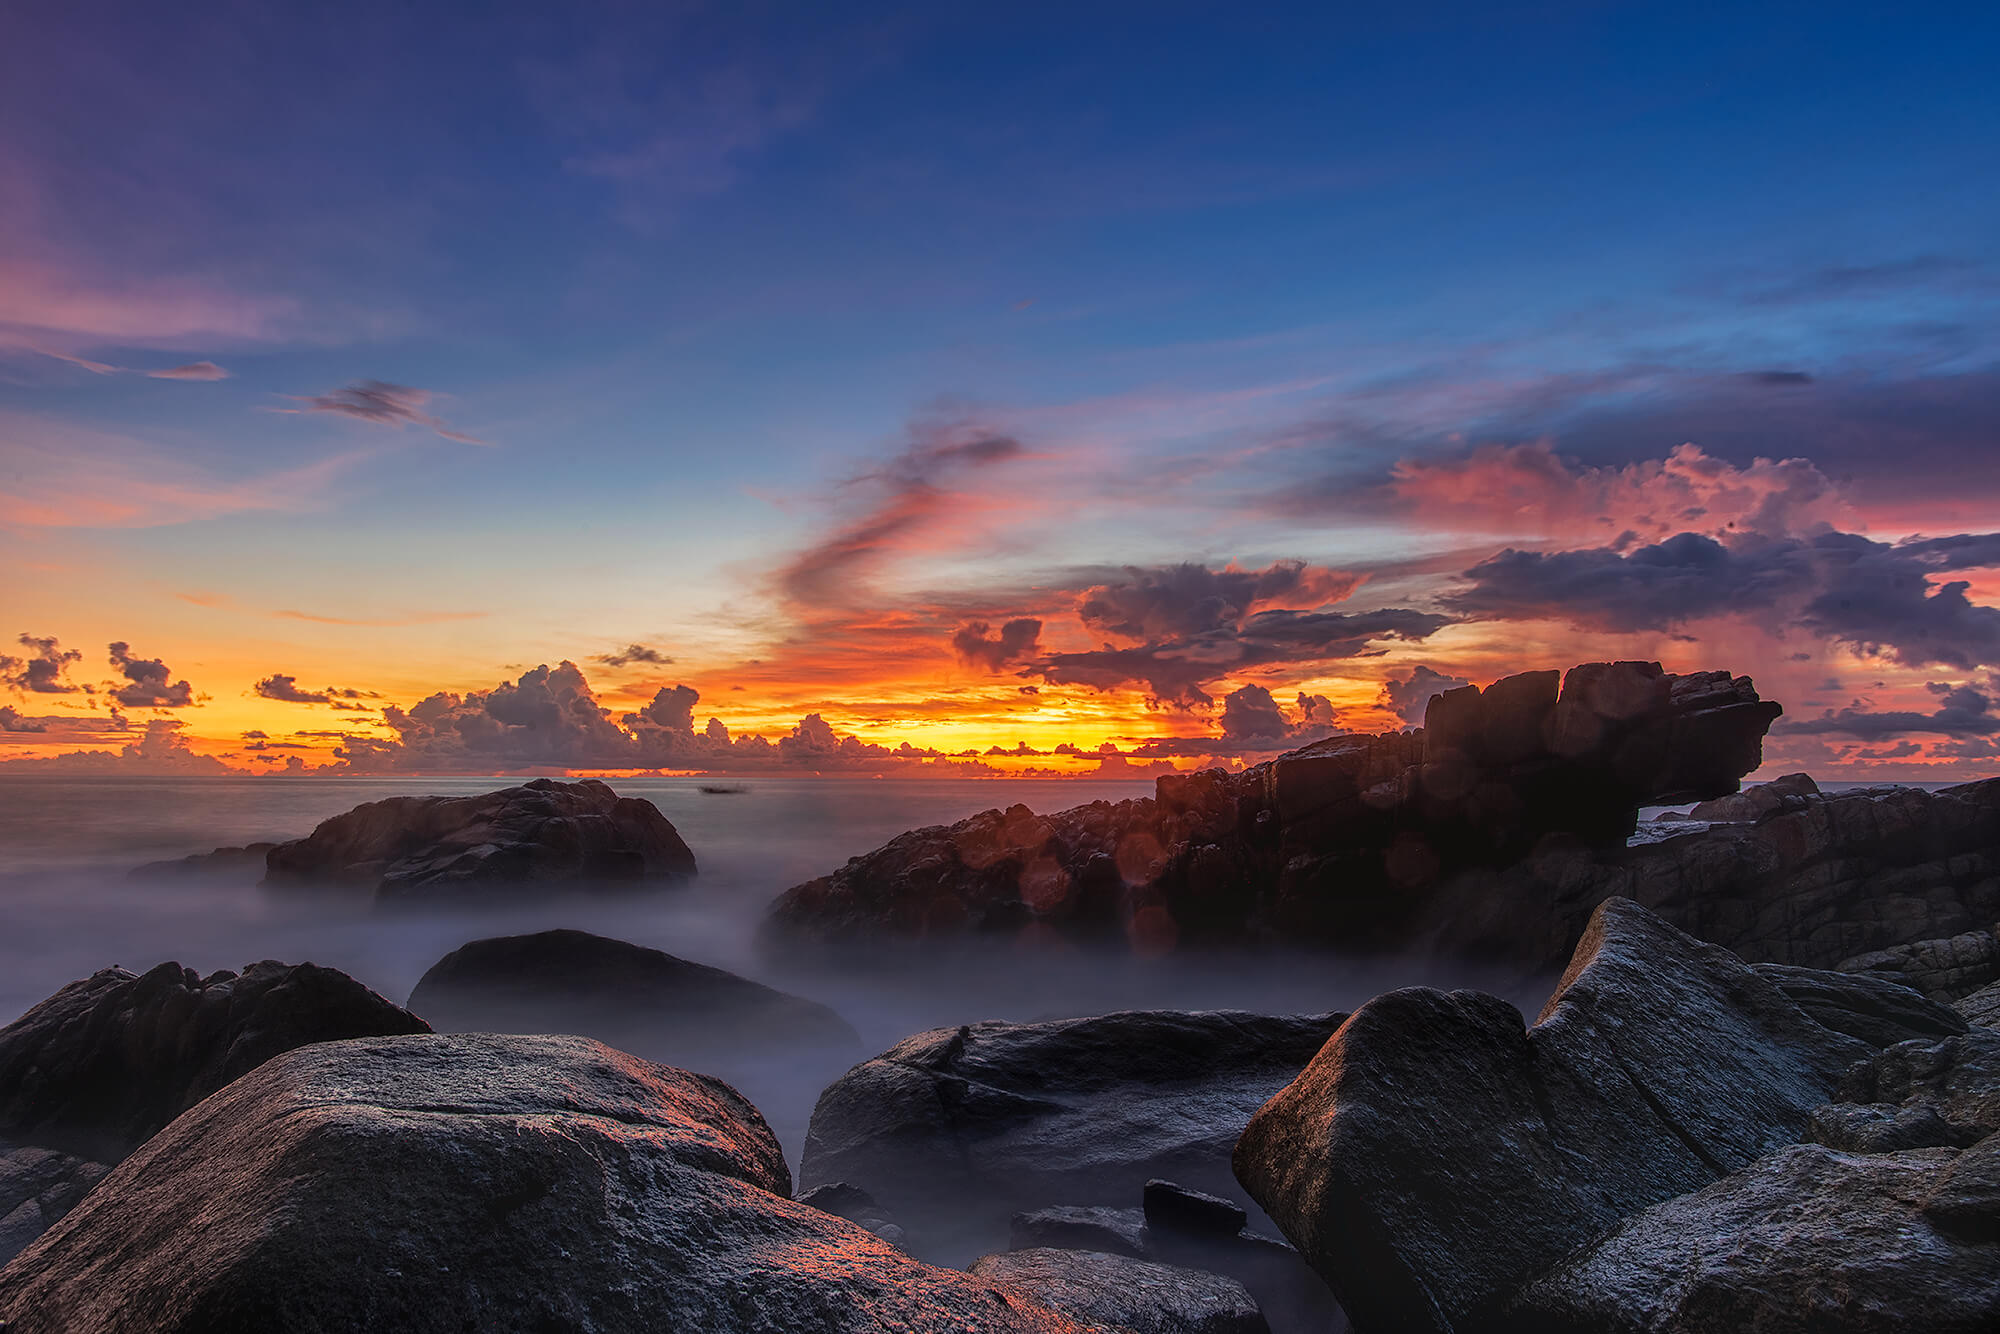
(540,833)
(1876,1010)
(37,1186)
(1982,1007)
(108,1060)
(1435,1155)
(1081,1227)
(1947,969)
(1759,800)
(245,863)
(965,1127)
(1805,1241)
(1952,1084)
(443,1183)
(1179,1209)
(1117,1290)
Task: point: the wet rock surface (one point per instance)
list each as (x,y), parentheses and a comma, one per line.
(538,834)
(1139,1295)
(441,1183)
(1336,843)
(1436,1155)
(960,1128)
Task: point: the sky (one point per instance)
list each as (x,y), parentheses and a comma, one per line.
(868,388)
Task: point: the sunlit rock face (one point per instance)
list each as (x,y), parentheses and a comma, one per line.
(1437,1156)
(91,1072)
(538,834)
(1341,842)
(444,1183)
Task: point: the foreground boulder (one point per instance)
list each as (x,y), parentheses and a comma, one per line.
(645,1001)
(438,1183)
(958,1129)
(539,833)
(1435,1157)
(1336,843)
(1138,1295)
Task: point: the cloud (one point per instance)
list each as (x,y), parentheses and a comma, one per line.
(285,688)
(13,720)
(43,671)
(147,682)
(380,403)
(1250,713)
(161,749)
(905,498)
(1172,601)
(407,618)
(1963,711)
(1018,640)
(1409,696)
(194,370)
(632,653)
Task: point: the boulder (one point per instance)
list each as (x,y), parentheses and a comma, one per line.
(1173,1207)
(1341,842)
(107,1061)
(444,1183)
(961,1128)
(1947,969)
(1138,1295)
(1806,1241)
(1874,1009)
(38,1185)
(1982,1007)
(1758,801)
(540,833)
(1435,1155)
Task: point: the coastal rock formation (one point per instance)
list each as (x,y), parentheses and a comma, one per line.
(108,1060)
(539,833)
(961,1128)
(244,864)
(1339,842)
(1787,792)
(38,1185)
(439,1183)
(1435,1156)
(1138,1295)
(1948,969)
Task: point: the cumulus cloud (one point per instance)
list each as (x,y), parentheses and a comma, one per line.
(160,749)
(44,670)
(1173,601)
(1018,640)
(13,720)
(380,403)
(632,653)
(1407,697)
(285,688)
(1963,711)
(146,682)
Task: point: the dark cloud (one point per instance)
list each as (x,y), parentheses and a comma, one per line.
(279,686)
(161,749)
(632,653)
(1963,711)
(43,670)
(194,370)
(1878,597)
(904,497)
(1175,601)
(383,404)
(146,682)
(1018,640)
(13,720)
(1409,696)
(1251,713)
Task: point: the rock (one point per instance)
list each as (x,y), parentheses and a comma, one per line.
(1138,1295)
(1952,1083)
(1948,969)
(1982,1007)
(1081,1227)
(37,1186)
(1179,1209)
(444,1183)
(965,1127)
(1757,802)
(540,833)
(224,864)
(1339,842)
(1876,1010)
(107,1061)
(841,1199)
(1435,1156)
(1803,1241)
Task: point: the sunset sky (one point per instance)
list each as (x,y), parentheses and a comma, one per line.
(498,388)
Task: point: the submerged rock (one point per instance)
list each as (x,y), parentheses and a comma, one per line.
(1138,1295)
(444,1183)
(1435,1155)
(1338,843)
(542,832)
(965,1127)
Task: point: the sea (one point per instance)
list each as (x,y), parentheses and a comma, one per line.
(69,904)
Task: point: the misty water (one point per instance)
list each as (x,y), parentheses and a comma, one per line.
(71,906)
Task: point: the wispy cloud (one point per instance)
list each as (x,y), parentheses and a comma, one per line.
(380,403)
(405,618)
(193,370)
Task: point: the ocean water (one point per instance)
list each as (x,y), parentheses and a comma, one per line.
(69,906)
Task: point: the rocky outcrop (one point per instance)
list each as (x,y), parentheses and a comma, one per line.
(1788,792)
(1138,1295)
(1436,1156)
(1874,1009)
(109,1060)
(1340,842)
(958,1129)
(540,833)
(38,1185)
(1947,969)
(1982,1007)
(244,864)
(445,1183)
